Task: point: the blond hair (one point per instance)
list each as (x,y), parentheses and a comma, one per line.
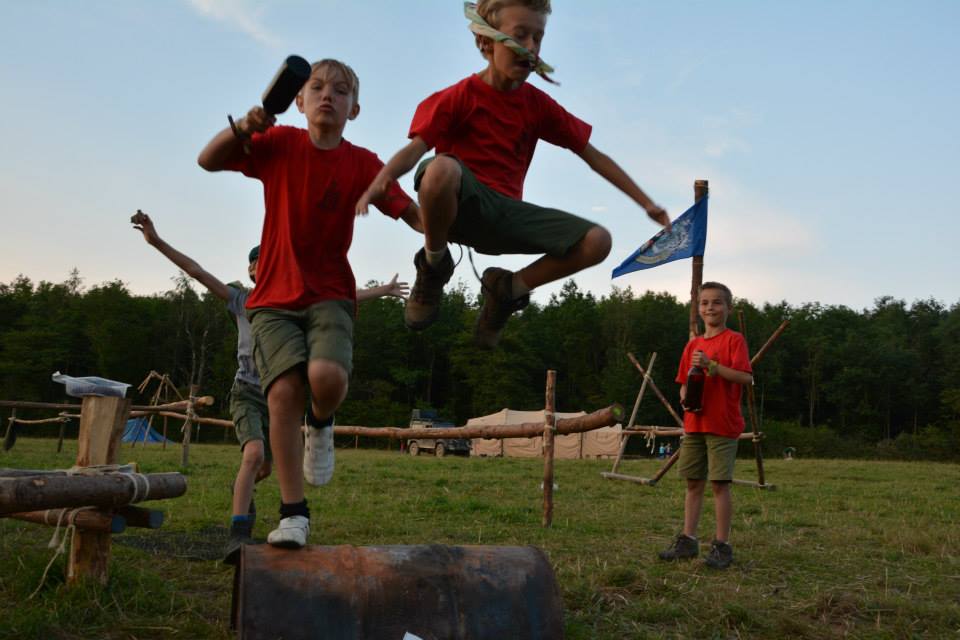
(349,75)
(488,10)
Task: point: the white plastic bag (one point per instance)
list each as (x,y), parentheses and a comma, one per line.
(91,386)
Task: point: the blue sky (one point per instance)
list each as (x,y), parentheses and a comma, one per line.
(828,132)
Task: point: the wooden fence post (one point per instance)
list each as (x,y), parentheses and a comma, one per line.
(188,426)
(101,426)
(549,429)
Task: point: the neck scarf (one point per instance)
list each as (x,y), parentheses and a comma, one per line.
(480,27)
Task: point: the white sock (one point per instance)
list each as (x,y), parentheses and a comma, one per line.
(518,287)
(434,258)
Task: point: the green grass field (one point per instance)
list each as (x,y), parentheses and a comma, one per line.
(842,549)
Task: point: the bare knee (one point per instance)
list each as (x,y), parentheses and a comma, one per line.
(696,486)
(597,244)
(287,390)
(328,384)
(441,177)
(253,455)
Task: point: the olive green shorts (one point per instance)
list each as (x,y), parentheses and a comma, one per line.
(704,456)
(284,339)
(251,419)
(495,224)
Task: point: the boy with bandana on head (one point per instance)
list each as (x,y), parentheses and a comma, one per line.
(302,308)
(485,129)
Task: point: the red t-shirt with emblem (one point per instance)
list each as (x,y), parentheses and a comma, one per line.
(721,398)
(494,133)
(309,196)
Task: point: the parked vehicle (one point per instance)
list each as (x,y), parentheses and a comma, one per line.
(440,446)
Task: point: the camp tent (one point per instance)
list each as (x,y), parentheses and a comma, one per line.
(598,443)
(139,430)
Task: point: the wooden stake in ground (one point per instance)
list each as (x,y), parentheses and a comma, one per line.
(101,426)
(549,430)
(188,426)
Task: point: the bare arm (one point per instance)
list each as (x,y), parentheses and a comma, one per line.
(144,224)
(401,162)
(612,173)
(714,368)
(411,215)
(227,147)
(392,288)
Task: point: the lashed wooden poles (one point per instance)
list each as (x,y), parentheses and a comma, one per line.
(180,405)
(605,417)
(188,426)
(656,390)
(549,429)
(625,436)
(82,518)
(33,493)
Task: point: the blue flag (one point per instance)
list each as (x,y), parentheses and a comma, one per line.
(687,238)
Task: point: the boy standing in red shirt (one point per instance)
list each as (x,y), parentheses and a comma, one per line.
(485,129)
(711,435)
(302,309)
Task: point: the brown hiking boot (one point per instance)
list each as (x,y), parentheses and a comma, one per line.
(683,548)
(423,306)
(498,305)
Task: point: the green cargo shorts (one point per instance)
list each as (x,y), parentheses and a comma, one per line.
(251,419)
(495,224)
(704,456)
(284,339)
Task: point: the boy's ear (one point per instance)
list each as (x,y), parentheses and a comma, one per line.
(355,111)
(299,101)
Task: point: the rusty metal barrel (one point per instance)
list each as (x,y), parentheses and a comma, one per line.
(434,592)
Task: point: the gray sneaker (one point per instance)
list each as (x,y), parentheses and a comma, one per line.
(423,305)
(498,305)
(319,457)
(683,548)
(720,556)
(291,533)
(240,534)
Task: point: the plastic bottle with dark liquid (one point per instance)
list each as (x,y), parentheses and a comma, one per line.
(693,401)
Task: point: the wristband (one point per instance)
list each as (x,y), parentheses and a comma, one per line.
(712,368)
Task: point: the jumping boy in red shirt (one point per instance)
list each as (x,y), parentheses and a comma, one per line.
(302,308)
(485,129)
(711,435)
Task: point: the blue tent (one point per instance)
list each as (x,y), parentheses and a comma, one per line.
(139,430)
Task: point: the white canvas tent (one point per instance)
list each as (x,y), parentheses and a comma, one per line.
(598,443)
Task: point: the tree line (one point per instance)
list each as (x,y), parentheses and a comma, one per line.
(877,381)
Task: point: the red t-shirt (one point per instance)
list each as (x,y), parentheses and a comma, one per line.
(309,195)
(721,398)
(495,133)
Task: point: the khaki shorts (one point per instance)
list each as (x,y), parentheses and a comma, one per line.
(494,224)
(704,456)
(251,419)
(284,339)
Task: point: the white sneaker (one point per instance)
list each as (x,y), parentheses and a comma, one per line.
(318,455)
(291,534)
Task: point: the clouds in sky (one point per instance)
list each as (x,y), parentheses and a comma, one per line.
(241,15)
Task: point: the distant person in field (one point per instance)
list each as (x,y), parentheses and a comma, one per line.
(708,449)
(248,407)
(485,129)
(303,308)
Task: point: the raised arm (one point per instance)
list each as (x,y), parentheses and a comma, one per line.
(144,224)
(401,162)
(228,145)
(611,171)
(392,288)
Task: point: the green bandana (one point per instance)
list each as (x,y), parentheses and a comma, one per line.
(480,27)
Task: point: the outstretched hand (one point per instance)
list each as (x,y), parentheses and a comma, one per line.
(397,289)
(143,223)
(659,214)
(376,191)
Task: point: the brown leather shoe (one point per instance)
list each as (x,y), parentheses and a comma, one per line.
(498,305)
(423,306)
